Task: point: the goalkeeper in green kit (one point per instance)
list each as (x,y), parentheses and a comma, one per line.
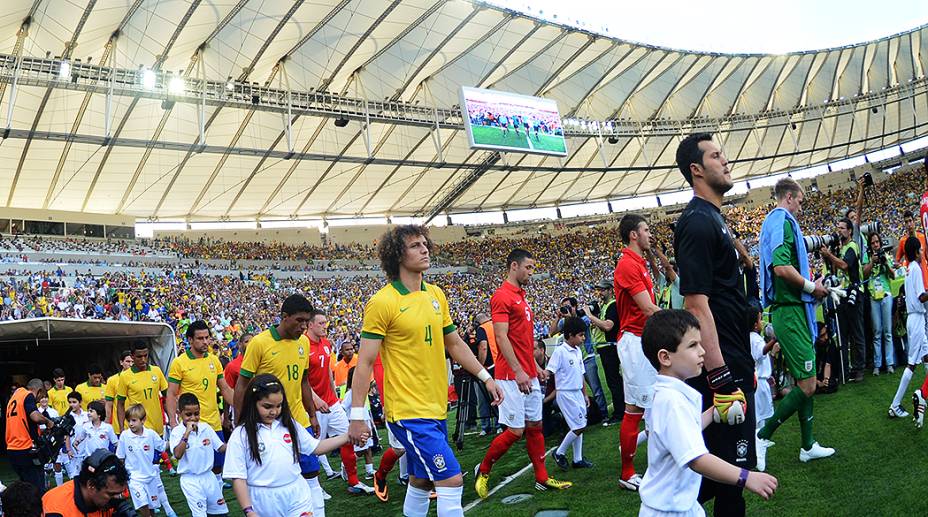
(790,295)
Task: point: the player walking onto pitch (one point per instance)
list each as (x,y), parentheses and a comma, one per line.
(787,290)
(409,324)
(518,375)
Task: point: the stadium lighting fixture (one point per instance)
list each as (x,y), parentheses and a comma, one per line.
(176,85)
(341,121)
(148,79)
(230,85)
(64,71)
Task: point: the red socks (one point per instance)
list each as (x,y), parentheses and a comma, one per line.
(925,388)
(498,447)
(350,463)
(386,462)
(628,439)
(535,445)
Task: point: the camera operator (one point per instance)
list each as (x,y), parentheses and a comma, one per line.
(486,354)
(879,272)
(850,312)
(855,214)
(604,329)
(570,307)
(22,428)
(96,492)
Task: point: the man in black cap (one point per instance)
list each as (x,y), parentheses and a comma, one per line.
(604,329)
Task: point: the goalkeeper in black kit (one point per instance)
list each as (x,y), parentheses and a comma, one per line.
(711,282)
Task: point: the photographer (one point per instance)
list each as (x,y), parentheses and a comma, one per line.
(604,330)
(850,312)
(879,272)
(96,492)
(22,427)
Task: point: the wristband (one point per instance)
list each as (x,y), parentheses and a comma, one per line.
(248,509)
(483,375)
(742,478)
(720,380)
(808,286)
(357,413)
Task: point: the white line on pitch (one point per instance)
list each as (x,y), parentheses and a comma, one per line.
(505,482)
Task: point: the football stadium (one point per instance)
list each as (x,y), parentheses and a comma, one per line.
(462,257)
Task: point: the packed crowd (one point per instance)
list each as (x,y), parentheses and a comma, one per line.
(568,265)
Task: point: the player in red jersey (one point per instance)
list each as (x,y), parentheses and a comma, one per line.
(517,374)
(921,394)
(634,298)
(333,420)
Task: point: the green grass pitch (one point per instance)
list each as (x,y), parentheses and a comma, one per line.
(877,470)
(491,135)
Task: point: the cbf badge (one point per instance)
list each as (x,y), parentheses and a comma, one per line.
(300,350)
(742,448)
(439,462)
(436,306)
(154,378)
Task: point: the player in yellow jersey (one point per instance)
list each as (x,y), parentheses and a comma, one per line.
(284,351)
(142,384)
(58,394)
(408,323)
(93,388)
(200,373)
(112,385)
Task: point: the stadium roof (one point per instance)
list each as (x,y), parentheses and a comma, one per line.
(83,137)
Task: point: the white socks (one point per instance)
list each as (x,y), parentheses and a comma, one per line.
(567,441)
(642,437)
(59,478)
(369,468)
(903,386)
(163,499)
(578,449)
(324,461)
(403,472)
(318,498)
(416,503)
(449,501)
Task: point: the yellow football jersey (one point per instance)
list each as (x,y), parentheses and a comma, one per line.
(144,387)
(89,393)
(58,399)
(200,377)
(287,359)
(111,386)
(412,327)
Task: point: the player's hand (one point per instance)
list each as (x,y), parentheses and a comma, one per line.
(322,407)
(762,484)
(542,374)
(524,382)
(587,401)
(314,423)
(820,290)
(495,391)
(729,409)
(70,454)
(358,432)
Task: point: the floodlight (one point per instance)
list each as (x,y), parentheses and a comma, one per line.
(64,71)
(176,85)
(149,79)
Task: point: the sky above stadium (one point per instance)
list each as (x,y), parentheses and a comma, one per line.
(734,26)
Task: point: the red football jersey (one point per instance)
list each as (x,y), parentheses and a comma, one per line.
(923,212)
(320,367)
(508,305)
(630,278)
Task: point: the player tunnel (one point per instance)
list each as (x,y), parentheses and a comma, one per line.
(34,347)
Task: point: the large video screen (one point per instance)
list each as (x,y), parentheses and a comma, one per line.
(505,121)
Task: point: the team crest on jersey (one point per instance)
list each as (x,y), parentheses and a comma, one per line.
(261,447)
(436,306)
(206,442)
(212,366)
(287,438)
(742,448)
(808,366)
(439,462)
(154,378)
(300,350)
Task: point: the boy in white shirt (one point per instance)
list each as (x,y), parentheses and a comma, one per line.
(193,446)
(136,448)
(677,454)
(95,433)
(73,456)
(915,298)
(763,370)
(566,364)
